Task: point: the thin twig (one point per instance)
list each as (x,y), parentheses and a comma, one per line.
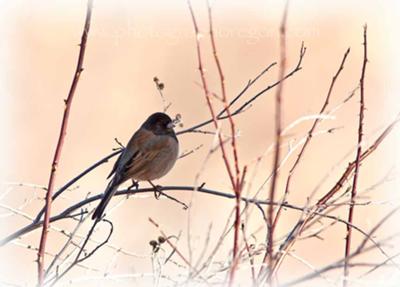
(242,107)
(357,162)
(377,266)
(236,185)
(77,178)
(321,204)
(269,254)
(60,143)
(160,87)
(251,257)
(207,94)
(66,244)
(340,263)
(171,244)
(186,153)
(310,135)
(78,260)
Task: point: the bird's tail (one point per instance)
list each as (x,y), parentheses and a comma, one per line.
(108,194)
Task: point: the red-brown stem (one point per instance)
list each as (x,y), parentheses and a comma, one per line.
(278,128)
(357,162)
(235,180)
(208,95)
(224,97)
(339,184)
(60,143)
(237,186)
(309,137)
(237,223)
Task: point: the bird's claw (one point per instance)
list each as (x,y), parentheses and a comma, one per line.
(134,184)
(157,191)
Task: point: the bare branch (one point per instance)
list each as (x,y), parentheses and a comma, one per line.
(269,254)
(357,161)
(310,134)
(60,143)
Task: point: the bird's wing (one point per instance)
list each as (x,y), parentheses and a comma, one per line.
(120,172)
(125,158)
(131,154)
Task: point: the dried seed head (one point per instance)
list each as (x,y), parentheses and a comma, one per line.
(153,243)
(177,120)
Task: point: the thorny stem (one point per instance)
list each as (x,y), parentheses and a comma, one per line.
(269,254)
(357,162)
(208,94)
(238,181)
(60,143)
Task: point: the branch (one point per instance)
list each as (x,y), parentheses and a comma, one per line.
(321,204)
(160,87)
(238,181)
(241,108)
(310,135)
(360,250)
(78,260)
(207,95)
(70,210)
(66,244)
(77,178)
(269,254)
(357,161)
(60,143)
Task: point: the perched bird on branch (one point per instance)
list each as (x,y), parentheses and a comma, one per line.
(150,154)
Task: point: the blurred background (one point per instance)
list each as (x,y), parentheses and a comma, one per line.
(130,42)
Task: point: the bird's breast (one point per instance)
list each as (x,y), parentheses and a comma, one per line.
(158,158)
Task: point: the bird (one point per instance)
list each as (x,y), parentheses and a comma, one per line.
(149,155)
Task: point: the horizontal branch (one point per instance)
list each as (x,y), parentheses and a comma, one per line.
(69,212)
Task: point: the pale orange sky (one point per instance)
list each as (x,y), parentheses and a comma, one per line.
(130,42)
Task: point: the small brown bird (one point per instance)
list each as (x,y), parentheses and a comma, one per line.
(150,154)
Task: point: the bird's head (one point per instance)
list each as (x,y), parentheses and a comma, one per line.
(160,124)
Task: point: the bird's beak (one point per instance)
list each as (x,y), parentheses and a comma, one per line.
(171,125)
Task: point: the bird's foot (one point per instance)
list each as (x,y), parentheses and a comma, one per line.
(157,191)
(135,184)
